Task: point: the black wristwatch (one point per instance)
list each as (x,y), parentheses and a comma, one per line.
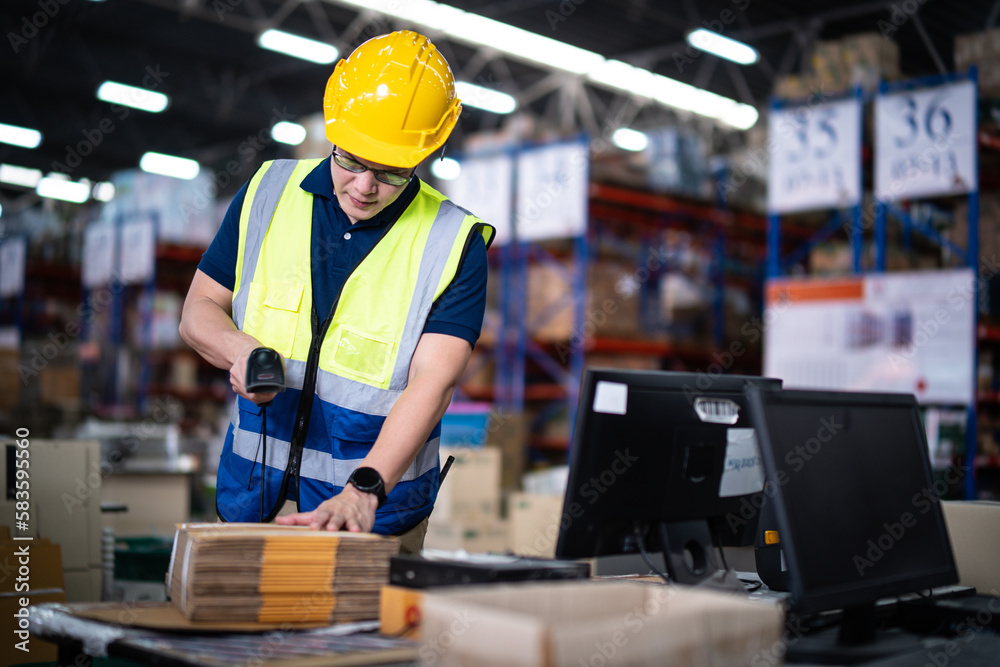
(367,480)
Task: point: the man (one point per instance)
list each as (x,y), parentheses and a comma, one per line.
(369,283)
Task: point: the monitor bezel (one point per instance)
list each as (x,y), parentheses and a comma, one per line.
(696,383)
(815,600)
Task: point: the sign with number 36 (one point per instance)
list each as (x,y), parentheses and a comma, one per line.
(925,142)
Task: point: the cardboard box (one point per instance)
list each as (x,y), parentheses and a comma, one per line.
(401,611)
(10,389)
(45,584)
(534,523)
(611,309)
(486,536)
(974,529)
(981,49)
(471,491)
(508,432)
(567,624)
(38,650)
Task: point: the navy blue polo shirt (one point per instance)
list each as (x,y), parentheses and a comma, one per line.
(338,246)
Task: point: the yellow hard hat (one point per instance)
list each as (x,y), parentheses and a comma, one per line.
(392,101)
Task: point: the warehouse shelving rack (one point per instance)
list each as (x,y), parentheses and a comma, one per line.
(884,211)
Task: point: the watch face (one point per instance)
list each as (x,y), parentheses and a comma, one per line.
(366,477)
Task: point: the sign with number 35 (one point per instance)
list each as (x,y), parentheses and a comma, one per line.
(815,157)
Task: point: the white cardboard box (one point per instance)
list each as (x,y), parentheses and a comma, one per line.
(471,491)
(534,523)
(974,529)
(567,624)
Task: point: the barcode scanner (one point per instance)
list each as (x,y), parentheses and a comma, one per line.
(265,374)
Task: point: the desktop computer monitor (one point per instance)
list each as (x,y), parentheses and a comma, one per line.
(662,461)
(850,482)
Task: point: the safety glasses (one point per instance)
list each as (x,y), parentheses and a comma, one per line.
(388,177)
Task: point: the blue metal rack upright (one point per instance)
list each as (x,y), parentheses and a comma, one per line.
(777,264)
(969,255)
(516,347)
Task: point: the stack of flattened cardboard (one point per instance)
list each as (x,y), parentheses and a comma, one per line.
(273,574)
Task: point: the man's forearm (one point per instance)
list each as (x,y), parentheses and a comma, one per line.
(210,331)
(407,426)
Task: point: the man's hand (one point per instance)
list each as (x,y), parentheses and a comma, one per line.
(238,376)
(350,510)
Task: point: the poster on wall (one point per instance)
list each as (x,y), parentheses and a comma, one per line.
(485,188)
(895,332)
(814,157)
(552,191)
(925,142)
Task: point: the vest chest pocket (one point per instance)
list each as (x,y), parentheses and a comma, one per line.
(273,314)
(362,354)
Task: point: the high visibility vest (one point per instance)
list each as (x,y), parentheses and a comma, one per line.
(342,382)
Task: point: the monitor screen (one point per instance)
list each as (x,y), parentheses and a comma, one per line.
(657,447)
(853,495)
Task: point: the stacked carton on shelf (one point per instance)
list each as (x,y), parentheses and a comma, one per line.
(980,49)
(467,512)
(864,60)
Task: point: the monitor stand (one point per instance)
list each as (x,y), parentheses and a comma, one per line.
(857,639)
(691,557)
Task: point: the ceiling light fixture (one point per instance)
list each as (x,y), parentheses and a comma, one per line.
(15,135)
(104,191)
(59,186)
(630,140)
(131,96)
(169,165)
(481,31)
(23,176)
(292,134)
(722,46)
(485,98)
(312,50)
(446,169)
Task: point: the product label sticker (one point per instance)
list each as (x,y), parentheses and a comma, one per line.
(611,398)
(744,472)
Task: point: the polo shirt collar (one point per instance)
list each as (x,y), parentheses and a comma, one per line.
(319,182)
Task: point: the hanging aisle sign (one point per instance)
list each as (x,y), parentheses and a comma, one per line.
(925,142)
(12,255)
(815,157)
(485,187)
(552,191)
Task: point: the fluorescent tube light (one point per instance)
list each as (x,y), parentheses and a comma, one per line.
(169,165)
(722,46)
(446,169)
(480,31)
(131,96)
(298,47)
(15,135)
(104,191)
(485,98)
(630,140)
(27,178)
(292,134)
(58,186)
